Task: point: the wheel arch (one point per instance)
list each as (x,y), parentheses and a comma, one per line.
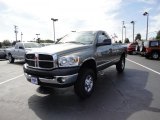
(9,53)
(158,51)
(89,63)
(123,54)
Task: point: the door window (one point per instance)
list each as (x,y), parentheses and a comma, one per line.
(102,37)
(16,46)
(154,44)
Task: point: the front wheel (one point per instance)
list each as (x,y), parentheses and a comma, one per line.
(85,83)
(155,55)
(121,65)
(10,58)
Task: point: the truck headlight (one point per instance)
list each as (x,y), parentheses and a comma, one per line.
(68,61)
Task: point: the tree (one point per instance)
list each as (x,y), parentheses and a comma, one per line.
(14,42)
(6,43)
(38,40)
(138,36)
(126,40)
(49,41)
(120,41)
(158,35)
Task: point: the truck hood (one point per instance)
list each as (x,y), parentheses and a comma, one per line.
(59,48)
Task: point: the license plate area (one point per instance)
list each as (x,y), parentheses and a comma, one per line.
(34,80)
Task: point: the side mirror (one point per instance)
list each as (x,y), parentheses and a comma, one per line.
(21,48)
(105,42)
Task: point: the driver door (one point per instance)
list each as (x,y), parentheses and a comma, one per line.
(103,52)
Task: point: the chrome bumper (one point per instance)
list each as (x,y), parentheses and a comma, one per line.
(57,80)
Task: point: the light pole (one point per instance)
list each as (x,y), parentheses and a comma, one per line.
(21,36)
(133,22)
(37,37)
(122,30)
(54,20)
(16,31)
(146,14)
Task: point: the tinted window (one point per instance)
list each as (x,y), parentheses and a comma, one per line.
(154,44)
(20,45)
(102,37)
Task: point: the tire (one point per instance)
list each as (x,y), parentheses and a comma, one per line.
(85,83)
(147,56)
(120,66)
(10,58)
(155,55)
(130,52)
(6,57)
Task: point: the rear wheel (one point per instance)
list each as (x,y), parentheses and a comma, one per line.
(85,83)
(155,55)
(10,58)
(121,65)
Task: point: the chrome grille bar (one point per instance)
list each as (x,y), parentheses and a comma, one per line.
(41,63)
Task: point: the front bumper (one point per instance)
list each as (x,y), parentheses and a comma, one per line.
(54,78)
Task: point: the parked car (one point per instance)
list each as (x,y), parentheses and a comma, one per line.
(131,48)
(20,49)
(74,60)
(2,54)
(152,49)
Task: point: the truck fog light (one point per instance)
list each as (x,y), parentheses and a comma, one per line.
(61,79)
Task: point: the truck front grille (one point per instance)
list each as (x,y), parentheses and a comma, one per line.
(45,57)
(30,56)
(41,61)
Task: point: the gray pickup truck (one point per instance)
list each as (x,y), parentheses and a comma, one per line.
(19,50)
(74,60)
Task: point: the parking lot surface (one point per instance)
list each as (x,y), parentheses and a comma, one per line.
(133,95)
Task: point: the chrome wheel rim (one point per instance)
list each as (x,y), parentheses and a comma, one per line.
(123,63)
(155,55)
(88,83)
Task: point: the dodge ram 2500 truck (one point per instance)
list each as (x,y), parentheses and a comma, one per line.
(19,50)
(74,60)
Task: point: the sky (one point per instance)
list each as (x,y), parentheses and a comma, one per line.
(34,17)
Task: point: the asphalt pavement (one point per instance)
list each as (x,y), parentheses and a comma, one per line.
(133,95)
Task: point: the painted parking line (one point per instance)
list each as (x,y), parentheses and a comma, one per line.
(143,66)
(11,79)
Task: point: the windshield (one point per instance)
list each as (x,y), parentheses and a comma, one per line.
(31,45)
(79,38)
(146,43)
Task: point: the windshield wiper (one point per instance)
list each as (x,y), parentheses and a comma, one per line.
(75,42)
